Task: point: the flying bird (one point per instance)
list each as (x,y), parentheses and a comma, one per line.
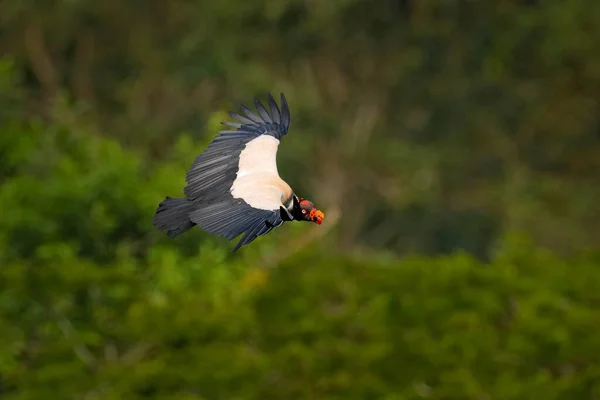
(234,187)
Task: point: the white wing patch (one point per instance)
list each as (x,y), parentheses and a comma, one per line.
(258,182)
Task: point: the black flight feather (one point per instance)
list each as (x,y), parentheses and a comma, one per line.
(255,118)
(240,118)
(285,112)
(274,109)
(263,111)
(232,124)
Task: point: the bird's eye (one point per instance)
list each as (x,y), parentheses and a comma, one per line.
(303,211)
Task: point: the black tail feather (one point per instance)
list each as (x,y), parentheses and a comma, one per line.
(172,216)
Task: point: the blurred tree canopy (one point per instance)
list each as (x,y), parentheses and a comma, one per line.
(431,125)
(453,145)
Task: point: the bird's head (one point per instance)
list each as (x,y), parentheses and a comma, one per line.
(305,210)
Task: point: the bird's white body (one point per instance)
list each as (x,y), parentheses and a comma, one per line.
(258,182)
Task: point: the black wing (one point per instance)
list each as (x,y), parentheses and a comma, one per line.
(232,217)
(212,174)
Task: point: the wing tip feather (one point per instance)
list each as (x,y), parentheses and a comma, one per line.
(251,121)
(285,111)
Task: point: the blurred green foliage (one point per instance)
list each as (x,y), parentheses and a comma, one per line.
(454,146)
(432,125)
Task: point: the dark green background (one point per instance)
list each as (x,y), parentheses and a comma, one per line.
(454,147)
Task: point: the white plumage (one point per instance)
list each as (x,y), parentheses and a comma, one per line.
(257,181)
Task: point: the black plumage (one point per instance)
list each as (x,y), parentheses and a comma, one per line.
(208,200)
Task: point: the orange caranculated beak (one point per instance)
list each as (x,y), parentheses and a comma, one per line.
(316,216)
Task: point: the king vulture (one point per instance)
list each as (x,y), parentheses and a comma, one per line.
(233,187)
